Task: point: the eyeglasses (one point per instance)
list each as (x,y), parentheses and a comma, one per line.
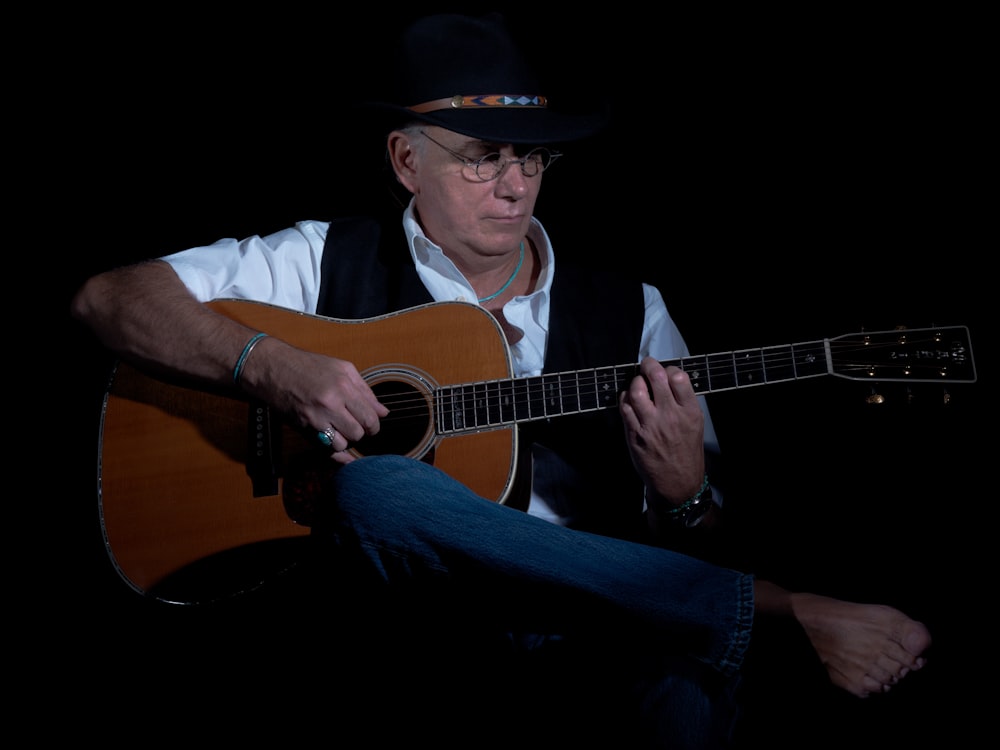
(491,166)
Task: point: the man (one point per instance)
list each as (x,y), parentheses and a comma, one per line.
(582,563)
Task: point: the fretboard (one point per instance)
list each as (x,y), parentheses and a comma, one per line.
(490,404)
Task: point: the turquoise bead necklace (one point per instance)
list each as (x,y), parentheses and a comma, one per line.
(513,276)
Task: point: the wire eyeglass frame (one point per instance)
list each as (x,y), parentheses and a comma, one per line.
(489,167)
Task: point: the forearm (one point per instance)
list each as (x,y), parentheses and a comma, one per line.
(146,315)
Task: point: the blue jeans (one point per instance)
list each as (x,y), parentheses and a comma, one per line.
(672,630)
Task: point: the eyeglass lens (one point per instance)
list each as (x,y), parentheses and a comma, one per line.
(490,166)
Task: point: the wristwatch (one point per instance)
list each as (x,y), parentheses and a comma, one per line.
(693,511)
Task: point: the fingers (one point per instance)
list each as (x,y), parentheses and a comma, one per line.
(358,420)
(669,382)
(341,430)
(347,403)
(324,392)
(333,440)
(657,385)
(354,408)
(338,445)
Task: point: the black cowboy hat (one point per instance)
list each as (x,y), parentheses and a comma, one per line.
(468,75)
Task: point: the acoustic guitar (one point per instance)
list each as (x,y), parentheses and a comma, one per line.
(194,482)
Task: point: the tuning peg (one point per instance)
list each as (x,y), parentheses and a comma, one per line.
(875,398)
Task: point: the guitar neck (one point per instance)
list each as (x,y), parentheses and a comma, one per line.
(476,406)
(911,355)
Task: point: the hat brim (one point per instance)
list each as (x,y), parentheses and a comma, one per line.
(498,125)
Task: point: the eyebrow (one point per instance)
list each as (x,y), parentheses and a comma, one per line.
(490,147)
(486,146)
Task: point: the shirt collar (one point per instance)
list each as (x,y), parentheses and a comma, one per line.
(432,262)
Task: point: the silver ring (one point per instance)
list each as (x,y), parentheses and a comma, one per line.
(327,436)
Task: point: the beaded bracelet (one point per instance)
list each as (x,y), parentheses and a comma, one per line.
(684,507)
(238,370)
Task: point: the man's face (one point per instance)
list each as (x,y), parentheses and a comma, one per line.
(457,207)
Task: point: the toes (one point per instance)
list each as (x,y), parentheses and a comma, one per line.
(870,685)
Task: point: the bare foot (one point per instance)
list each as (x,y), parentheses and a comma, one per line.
(866,648)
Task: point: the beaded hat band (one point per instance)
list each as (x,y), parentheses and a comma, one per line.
(482,100)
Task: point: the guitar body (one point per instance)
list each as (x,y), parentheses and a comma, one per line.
(183,476)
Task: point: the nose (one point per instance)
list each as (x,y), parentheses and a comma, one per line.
(512,180)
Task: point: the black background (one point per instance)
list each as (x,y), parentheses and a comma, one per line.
(780,177)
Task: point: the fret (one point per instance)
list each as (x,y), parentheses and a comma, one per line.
(551,396)
(519,392)
(467,405)
(569,389)
(588,390)
(698,370)
(778,364)
(442,412)
(506,400)
(809,359)
(538,410)
(463,407)
(449,415)
(749,366)
(480,415)
(721,370)
(492,395)
(607,387)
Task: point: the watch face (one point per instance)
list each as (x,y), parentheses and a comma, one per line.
(697,511)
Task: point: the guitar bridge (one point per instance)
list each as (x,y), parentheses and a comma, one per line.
(263,445)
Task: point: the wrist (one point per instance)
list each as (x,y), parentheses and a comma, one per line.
(245,355)
(692,511)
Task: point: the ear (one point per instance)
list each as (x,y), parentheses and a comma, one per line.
(402,158)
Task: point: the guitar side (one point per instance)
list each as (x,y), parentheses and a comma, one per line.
(175,487)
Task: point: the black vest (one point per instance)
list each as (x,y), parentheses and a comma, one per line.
(596,319)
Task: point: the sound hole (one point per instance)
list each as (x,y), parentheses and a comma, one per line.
(406,430)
